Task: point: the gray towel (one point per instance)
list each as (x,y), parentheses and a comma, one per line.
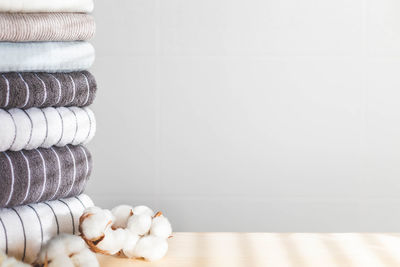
(30,176)
(27,89)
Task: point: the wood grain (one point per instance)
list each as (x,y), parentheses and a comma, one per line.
(276,250)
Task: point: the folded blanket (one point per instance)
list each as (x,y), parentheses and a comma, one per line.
(24,229)
(25,6)
(33,128)
(46,56)
(20,27)
(27,89)
(30,176)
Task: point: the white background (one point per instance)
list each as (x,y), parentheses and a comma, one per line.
(258,115)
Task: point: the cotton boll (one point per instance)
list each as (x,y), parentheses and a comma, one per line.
(73,244)
(63,261)
(139,224)
(151,248)
(113,241)
(122,214)
(66,251)
(139,210)
(54,248)
(86,258)
(6,261)
(130,244)
(11,262)
(94,222)
(161,227)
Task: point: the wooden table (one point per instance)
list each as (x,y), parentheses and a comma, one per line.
(275,250)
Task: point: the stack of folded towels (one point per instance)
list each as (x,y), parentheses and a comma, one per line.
(45,91)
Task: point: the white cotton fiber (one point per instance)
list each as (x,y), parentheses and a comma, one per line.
(6,261)
(113,241)
(151,248)
(61,261)
(138,210)
(161,227)
(67,251)
(139,224)
(85,259)
(122,214)
(96,222)
(130,244)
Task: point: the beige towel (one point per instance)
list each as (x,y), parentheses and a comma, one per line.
(20,27)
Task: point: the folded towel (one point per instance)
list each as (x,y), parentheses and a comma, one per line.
(24,229)
(20,27)
(33,128)
(46,56)
(25,6)
(30,176)
(27,89)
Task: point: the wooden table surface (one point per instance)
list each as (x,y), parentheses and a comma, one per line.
(276,250)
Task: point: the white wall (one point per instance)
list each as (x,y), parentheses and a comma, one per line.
(258,115)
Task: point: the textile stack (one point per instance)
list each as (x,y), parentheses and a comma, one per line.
(45,121)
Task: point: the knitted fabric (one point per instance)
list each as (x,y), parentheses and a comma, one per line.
(26,90)
(20,27)
(46,56)
(33,128)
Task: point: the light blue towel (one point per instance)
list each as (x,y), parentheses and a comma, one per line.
(46,56)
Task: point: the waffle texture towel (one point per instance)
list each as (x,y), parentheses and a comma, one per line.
(26,90)
(46,56)
(34,127)
(30,176)
(25,6)
(24,229)
(22,27)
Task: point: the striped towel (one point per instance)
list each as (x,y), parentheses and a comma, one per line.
(24,6)
(46,56)
(30,176)
(26,90)
(22,27)
(24,229)
(34,127)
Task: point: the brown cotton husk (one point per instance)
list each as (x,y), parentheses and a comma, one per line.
(94,248)
(158,214)
(92,243)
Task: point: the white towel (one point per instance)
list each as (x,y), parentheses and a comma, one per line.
(25,6)
(34,127)
(46,56)
(24,229)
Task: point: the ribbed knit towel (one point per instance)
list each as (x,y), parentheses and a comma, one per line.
(24,229)
(20,27)
(30,176)
(33,128)
(29,89)
(24,6)
(46,56)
